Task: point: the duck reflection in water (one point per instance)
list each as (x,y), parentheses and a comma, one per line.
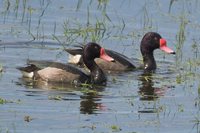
(91,103)
(147,90)
(29,83)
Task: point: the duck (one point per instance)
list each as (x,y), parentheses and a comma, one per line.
(150,42)
(56,72)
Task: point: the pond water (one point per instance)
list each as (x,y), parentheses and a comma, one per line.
(164,101)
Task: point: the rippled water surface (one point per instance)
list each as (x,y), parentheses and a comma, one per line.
(132,102)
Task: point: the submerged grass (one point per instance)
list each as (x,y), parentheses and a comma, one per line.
(6,11)
(4,101)
(24,11)
(181,37)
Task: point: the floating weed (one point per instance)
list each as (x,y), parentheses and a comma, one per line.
(89,91)
(115,128)
(180,108)
(178,79)
(162,108)
(85,85)
(4,101)
(92,127)
(28,118)
(57,97)
(114,80)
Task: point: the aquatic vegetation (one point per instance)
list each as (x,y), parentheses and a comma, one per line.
(57,97)
(180,108)
(24,12)
(87,32)
(146,20)
(196,121)
(181,37)
(133,103)
(4,101)
(28,118)
(115,128)
(170,5)
(6,4)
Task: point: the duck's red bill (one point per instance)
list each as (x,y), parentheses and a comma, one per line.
(104,56)
(163,47)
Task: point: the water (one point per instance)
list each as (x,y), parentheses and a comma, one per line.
(165,101)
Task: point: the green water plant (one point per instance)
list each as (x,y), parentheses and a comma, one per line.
(75,31)
(181,37)
(115,128)
(4,101)
(28,118)
(56,97)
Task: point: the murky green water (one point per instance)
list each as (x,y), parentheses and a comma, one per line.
(166,101)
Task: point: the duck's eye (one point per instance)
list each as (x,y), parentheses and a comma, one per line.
(96,47)
(155,38)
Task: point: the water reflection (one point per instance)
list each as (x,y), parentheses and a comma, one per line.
(89,101)
(29,83)
(147,91)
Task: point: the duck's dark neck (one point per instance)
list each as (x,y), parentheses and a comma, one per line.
(149,61)
(97,75)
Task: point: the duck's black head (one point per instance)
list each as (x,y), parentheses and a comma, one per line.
(152,41)
(149,43)
(93,50)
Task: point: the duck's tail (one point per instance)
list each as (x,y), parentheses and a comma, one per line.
(28,71)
